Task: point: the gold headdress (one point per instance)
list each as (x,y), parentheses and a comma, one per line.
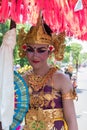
(38,35)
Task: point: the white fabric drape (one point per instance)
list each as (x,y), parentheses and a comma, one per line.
(7,79)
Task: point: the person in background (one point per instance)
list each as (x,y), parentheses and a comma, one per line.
(70,70)
(68,73)
(51,104)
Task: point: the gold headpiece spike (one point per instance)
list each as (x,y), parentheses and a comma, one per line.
(37,34)
(40,22)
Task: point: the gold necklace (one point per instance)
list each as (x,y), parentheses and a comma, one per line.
(37,81)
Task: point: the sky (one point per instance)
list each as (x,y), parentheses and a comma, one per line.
(84,45)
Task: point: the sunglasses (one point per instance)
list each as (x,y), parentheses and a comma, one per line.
(38,50)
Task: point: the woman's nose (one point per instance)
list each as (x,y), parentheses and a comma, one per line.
(35,53)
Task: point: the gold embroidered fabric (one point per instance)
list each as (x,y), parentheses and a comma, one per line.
(42,119)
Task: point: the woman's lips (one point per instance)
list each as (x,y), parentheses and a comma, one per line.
(34,61)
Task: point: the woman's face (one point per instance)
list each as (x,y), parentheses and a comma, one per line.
(37,55)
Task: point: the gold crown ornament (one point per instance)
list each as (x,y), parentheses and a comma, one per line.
(38,35)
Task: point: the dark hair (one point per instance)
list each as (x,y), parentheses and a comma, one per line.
(47,29)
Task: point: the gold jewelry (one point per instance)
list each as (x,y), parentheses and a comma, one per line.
(70,95)
(37,82)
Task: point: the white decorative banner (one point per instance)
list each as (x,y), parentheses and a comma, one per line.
(7,79)
(78,6)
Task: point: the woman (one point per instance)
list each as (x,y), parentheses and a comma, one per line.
(51,93)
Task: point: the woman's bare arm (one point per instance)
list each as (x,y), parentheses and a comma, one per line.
(68,105)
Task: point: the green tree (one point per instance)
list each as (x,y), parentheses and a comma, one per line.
(3,29)
(67,54)
(76,50)
(68,49)
(66,57)
(17,59)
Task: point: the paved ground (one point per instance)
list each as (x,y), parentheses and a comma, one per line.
(81,104)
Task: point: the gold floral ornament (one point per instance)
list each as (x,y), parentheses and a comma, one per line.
(21,42)
(58,43)
(38,35)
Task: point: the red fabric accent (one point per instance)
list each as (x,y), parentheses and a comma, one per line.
(24,11)
(58,14)
(4,10)
(13,10)
(84,3)
(18,9)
